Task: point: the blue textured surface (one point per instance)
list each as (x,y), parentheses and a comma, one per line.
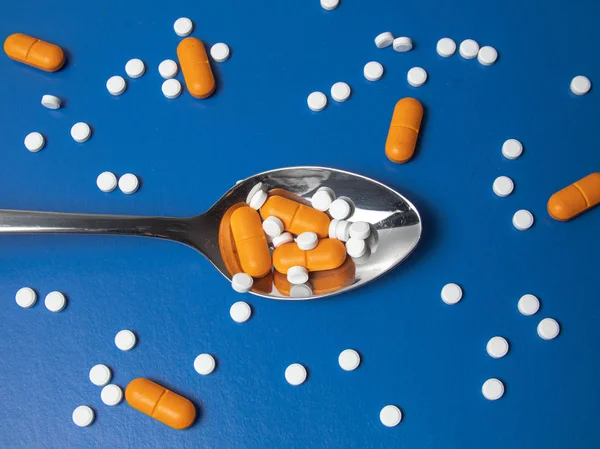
(418,353)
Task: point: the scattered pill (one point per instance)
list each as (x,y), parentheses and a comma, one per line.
(322,198)
(296,217)
(34,142)
(297,275)
(196,69)
(83,416)
(242,282)
(220,52)
(342,230)
(576,198)
(340,208)
(240,312)
(492,389)
(34,52)
(116,85)
(250,241)
(106,181)
(416,76)
(81,132)
(512,149)
(204,364)
(373,71)
(487,55)
(446,47)
(329,4)
(100,375)
(55,301)
(332,228)
(167,68)
(390,416)
(580,85)
(384,40)
(111,395)
(468,49)
(402,44)
(349,360)
(295,374)
(503,186)
(258,199)
(171,88)
(272,226)
(26,297)
(522,220)
(129,183)
(548,329)
(360,230)
(404,129)
(135,68)
(528,305)
(307,241)
(51,102)
(301,290)
(258,186)
(497,347)
(183,26)
(451,293)
(286,237)
(340,91)
(317,101)
(125,340)
(329,254)
(356,247)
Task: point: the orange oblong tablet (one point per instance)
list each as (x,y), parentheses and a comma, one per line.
(160,403)
(404,130)
(297,218)
(575,199)
(34,52)
(195,67)
(250,242)
(328,254)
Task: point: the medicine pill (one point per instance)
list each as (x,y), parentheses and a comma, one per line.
(307,240)
(83,416)
(316,101)
(402,44)
(580,85)
(51,102)
(340,91)
(167,69)
(204,364)
(492,389)
(135,68)
(451,293)
(390,416)
(349,360)
(497,347)
(404,130)
(522,220)
(445,47)
(129,183)
(384,40)
(253,250)
(81,132)
(196,69)
(373,71)
(240,312)
(111,395)
(26,297)
(125,340)
(295,374)
(468,49)
(100,375)
(528,305)
(183,26)
(220,52)
(576,198)
(116,85)
(34,142)
(34,52)
(55,301)
(242,282)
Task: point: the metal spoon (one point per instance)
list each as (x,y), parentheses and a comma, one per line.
(396,220)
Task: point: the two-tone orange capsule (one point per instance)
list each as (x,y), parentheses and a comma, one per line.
(195,67)
(575,199)
(404,130)
(34,52)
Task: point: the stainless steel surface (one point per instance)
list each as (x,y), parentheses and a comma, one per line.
(396,220)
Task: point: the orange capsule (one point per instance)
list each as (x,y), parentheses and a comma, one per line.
(404,129)
(34,52)
(329,254)
(576,198)
(161,404)
(297,218)
(250,242)
(195,67)
(322,282)
(227,243)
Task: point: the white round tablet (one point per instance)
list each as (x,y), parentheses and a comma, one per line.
(468,49)
(116,85)
(51,102)
(167,68)
(416,76)
(258,186)
(497,347)
(183,26)
(317,101)
(581,85)
(286,237)
(356,247)
(340,209)
(402,44)
(445,47)
(26,297)
(83,416)
(492,389)
(487,55)
(512,149)
(106,181)
(373,71)
(329,4)
(342,230)
(340,91)
(240,312)
(322,199)
(204,364)
(390,416)
(55,301)
(349,359)
(34,142)
(295,374)
(111,394)
(242,282)
(360,230)
(125,340)
(522,220)
(135,68)
(81,132)
(297,275)
(332,227)
(528,305)
(548,329)
(272,226)
(301,290)
(503,186)
(258,199)
(220,52)
(129,183)
(100,375)
(307,241)
(171,88)
(384,40)
(451,293)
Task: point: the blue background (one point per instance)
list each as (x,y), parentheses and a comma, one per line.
(418,353)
